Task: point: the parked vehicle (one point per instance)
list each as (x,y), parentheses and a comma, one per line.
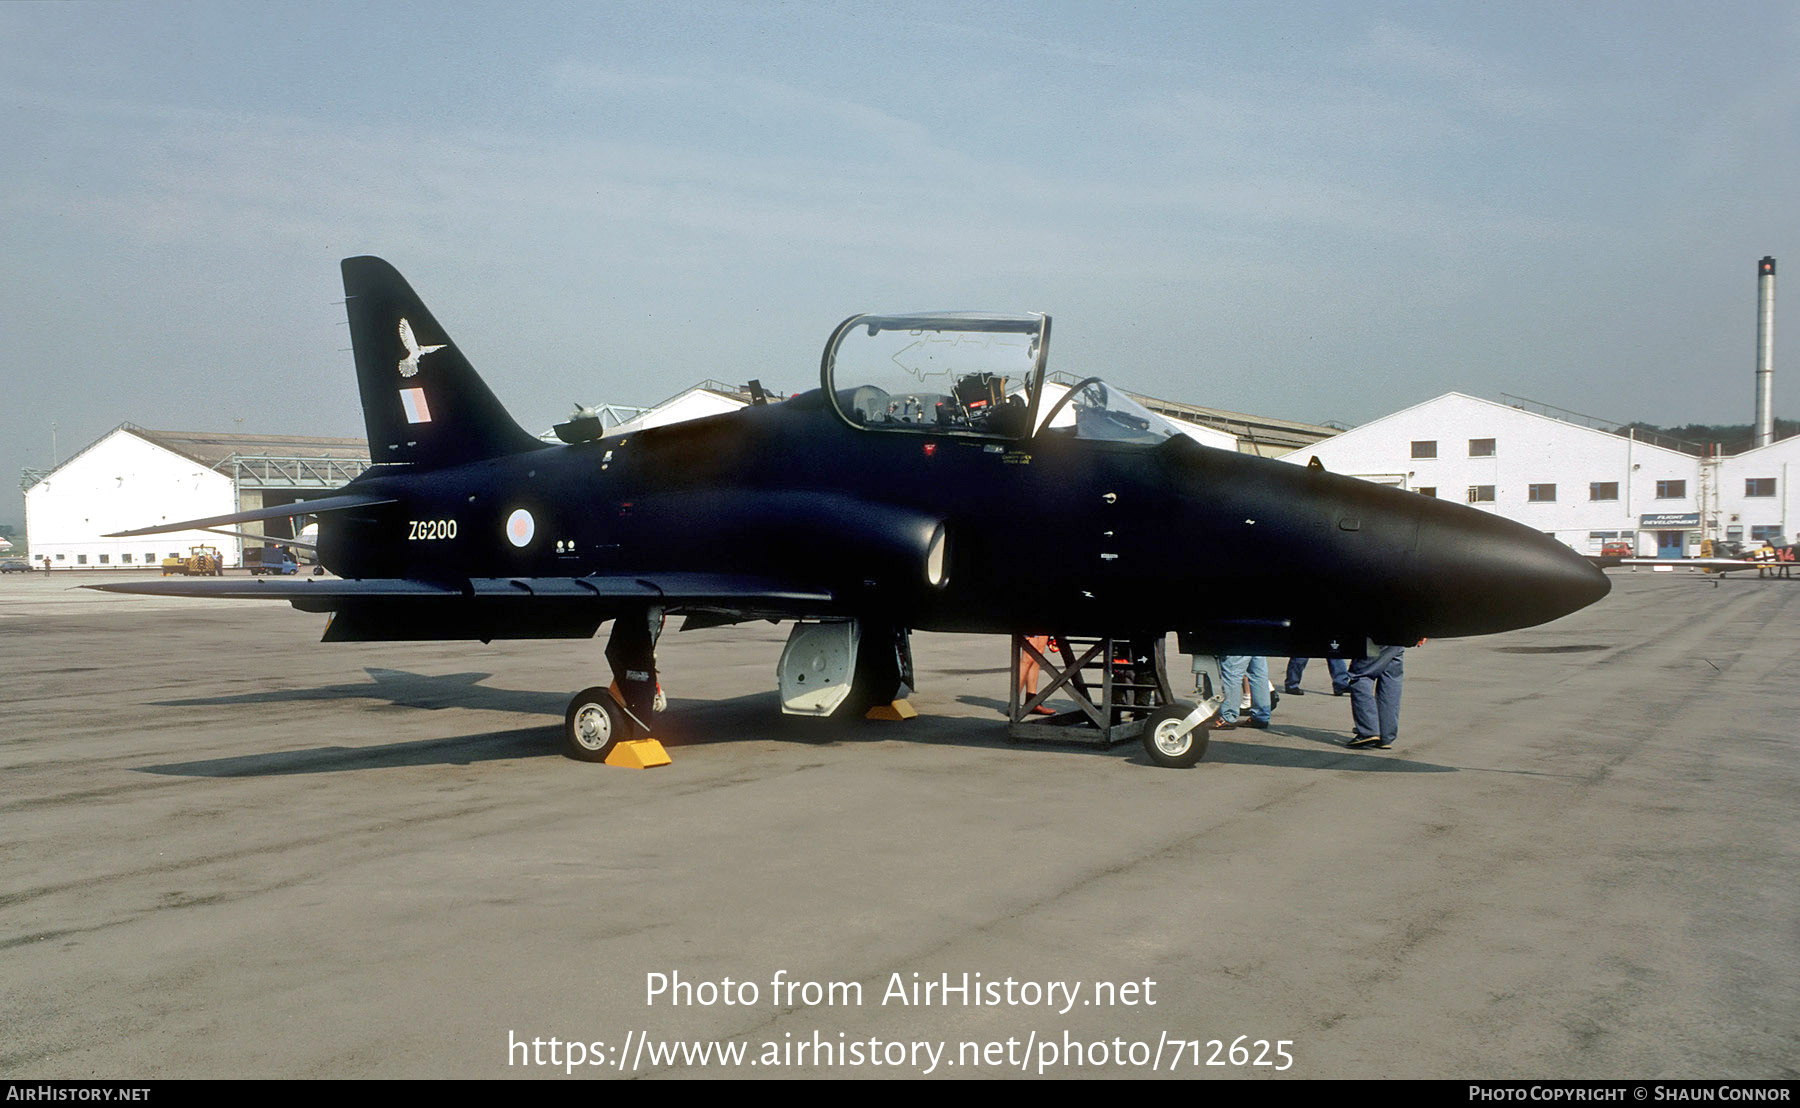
(272,560)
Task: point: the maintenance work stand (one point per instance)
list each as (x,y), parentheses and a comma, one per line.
(1116,684)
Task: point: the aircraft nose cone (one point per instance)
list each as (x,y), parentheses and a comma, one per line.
(1497,575)
(1535,582)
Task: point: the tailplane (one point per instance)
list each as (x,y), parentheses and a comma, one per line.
(422,401)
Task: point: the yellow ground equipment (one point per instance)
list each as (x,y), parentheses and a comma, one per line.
(201,561)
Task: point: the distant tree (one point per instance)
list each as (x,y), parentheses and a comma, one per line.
(1696,438)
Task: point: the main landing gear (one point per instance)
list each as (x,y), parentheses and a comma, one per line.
(846,669)
(612,724)
(594,721)
(841,669)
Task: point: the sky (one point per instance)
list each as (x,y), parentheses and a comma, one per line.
(1313,211)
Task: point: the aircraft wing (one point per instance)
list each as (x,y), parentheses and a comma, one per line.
(278,511)
(398,608)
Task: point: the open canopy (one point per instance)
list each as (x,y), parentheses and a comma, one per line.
(970,373)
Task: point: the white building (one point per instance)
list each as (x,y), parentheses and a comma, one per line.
(1582,485)
(123,481)
(132,478)
(1757,494)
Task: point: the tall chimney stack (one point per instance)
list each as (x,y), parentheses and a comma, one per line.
(1765,352)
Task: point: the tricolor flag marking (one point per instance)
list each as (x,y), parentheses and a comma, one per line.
(413,400)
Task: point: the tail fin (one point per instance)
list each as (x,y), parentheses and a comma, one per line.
(422,401)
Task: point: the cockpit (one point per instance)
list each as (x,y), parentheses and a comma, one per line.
(967,373)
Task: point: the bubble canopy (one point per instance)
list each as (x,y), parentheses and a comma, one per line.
(970,373)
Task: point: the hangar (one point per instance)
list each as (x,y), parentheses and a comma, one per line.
(707,398)
(1581,483)
(1264,436)
(134,477)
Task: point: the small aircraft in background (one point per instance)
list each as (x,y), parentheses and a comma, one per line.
(1719,557)
(1769,561)
(932,482)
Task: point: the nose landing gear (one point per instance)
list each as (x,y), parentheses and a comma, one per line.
(1175,734)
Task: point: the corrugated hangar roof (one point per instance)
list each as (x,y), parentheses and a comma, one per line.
(213,447)
(1283,434)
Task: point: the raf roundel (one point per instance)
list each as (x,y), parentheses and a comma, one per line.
(519,528)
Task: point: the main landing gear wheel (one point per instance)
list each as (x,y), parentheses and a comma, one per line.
(593,723)
(1164,740)
(879,675)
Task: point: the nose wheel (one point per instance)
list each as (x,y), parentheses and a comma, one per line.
(1175,734)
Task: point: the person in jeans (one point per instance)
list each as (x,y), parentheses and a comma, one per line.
(1233,668)
(1375,698)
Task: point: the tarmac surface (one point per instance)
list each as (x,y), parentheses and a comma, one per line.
(229,850)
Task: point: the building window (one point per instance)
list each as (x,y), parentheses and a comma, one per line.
(1424,448)
(1539,494)
(81,559)
(149,557)
(1428,490)
(124,557)
(1481,494)
(1759,486)
(104,559)
(1671,490)
(1481,448)
(1765,532)
(1603,490)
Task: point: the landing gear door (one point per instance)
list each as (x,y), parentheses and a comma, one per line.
(817,667)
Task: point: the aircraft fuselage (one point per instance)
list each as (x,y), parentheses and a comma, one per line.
(1052,532)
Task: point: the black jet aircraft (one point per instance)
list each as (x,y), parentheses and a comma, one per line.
(936,480)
